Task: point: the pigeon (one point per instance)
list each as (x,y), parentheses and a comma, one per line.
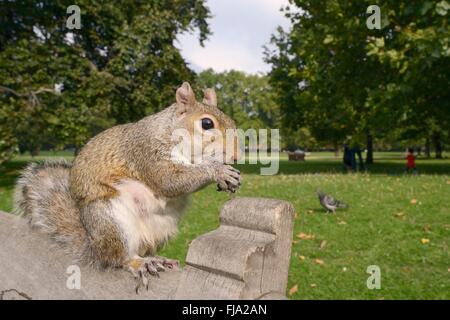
(330,203)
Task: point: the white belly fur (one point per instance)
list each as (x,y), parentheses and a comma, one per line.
(145,220)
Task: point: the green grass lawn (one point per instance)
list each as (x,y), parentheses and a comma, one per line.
(397,222)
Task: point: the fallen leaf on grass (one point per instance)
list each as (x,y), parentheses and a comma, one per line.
(448,269)
(318,261)
(342,222)
(425,240)
(413,201)
(305,236)
(301,257)
(406,269)
(399,214)
(323,243)
(313,285)
(293,290)
(310,211)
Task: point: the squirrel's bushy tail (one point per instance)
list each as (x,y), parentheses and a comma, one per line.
(42,194)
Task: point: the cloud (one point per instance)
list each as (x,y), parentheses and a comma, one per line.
(240,29)
(222,58)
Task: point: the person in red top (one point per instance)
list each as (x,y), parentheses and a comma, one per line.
(410,161)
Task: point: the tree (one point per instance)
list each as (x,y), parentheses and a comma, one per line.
(414,49)
(120,66)
(340,79)
(248,99)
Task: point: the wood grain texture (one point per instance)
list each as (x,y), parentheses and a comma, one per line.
(32,264)
(247,257)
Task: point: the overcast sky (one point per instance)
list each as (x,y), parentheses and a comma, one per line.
(240,29)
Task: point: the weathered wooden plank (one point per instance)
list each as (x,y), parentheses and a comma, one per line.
(247,257)
(32,264)
(251,247)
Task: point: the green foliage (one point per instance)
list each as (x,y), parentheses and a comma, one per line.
(248,99)
(338,78)
(121,65)
(298,138)
(8,142)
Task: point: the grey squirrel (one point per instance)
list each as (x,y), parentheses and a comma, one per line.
(123,196)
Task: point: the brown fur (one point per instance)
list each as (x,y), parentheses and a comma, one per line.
(42,193)
(73,202)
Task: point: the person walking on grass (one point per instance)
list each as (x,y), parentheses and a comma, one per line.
(347,159)
(410,162)
(350,164)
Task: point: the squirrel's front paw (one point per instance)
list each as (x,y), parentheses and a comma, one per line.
(228,178)
(141,268)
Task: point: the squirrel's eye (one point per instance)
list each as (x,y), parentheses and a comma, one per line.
(207,124)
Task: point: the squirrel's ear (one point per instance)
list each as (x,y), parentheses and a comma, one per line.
(185,95)
(210,97)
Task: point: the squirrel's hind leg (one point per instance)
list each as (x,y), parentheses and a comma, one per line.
(107,246)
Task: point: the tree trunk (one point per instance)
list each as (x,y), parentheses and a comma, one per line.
(369,157)
(437,145)
(35,151)
(336,149)
(427,148)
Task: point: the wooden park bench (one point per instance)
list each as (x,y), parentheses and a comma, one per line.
(247,257)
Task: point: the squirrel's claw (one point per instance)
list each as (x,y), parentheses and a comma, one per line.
(142,268)
(229,179)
